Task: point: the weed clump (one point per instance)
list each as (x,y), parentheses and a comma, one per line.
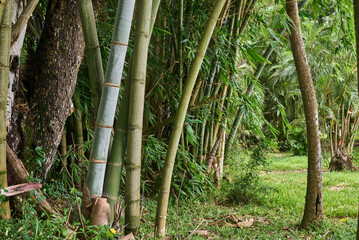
(248,187)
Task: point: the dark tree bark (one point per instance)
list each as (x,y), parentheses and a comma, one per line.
(53,79)
(313,211)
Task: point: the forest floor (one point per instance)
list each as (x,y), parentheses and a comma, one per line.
(274,212)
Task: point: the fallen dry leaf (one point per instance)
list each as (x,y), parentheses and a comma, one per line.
(203,233)
(246,223)
(338,187)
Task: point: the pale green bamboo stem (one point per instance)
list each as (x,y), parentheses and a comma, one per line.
(155,6)
(5,39)
(118,150)
(107,107)
(92,49)
(135,116)
(22,20)
(162,202)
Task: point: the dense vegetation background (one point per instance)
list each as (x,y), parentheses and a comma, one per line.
(194,111)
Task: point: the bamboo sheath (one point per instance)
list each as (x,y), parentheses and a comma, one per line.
(162,202)
(107,107)
(5,38)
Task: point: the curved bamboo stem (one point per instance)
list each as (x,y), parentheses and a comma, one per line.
(162,202)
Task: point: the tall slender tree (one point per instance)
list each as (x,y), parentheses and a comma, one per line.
(313,211)
(162,202)
(5,39)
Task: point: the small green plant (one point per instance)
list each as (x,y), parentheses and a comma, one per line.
(248,187)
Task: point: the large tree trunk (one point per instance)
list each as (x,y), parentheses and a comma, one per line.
(313,211)
(53,79)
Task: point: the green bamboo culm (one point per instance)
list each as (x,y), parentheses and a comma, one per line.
(109,96)
(22,20)
(2,7)
(92,49)
(117,154)
(162,202)
(135,116)
(118,150)
(5,40)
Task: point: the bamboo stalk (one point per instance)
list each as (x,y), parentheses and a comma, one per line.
(22,20)
(107,107)
(92,49)
(162,202)
(2,8)
(118,150)
(5,39)
(135,116)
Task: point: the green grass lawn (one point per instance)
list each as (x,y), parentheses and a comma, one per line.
(276,213)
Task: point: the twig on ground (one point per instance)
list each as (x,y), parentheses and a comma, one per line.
(194,231)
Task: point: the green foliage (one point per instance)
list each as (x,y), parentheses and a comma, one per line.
(297,140)
(195,181)
(248,187)
(31,226)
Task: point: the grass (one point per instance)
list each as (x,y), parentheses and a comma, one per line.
(276,213)
(273,212)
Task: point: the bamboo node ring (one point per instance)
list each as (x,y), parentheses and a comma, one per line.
(103,126)
(119,43)
(97,161)
(106,84)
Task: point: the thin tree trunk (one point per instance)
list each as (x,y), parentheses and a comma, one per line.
(107,107)
(313,211)
(92,49)
(5,38)
(162,202)
(135,116)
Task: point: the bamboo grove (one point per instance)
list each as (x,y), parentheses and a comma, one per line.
(168,91)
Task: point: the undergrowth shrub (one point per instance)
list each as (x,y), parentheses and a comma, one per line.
(247,186)
(186,168)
